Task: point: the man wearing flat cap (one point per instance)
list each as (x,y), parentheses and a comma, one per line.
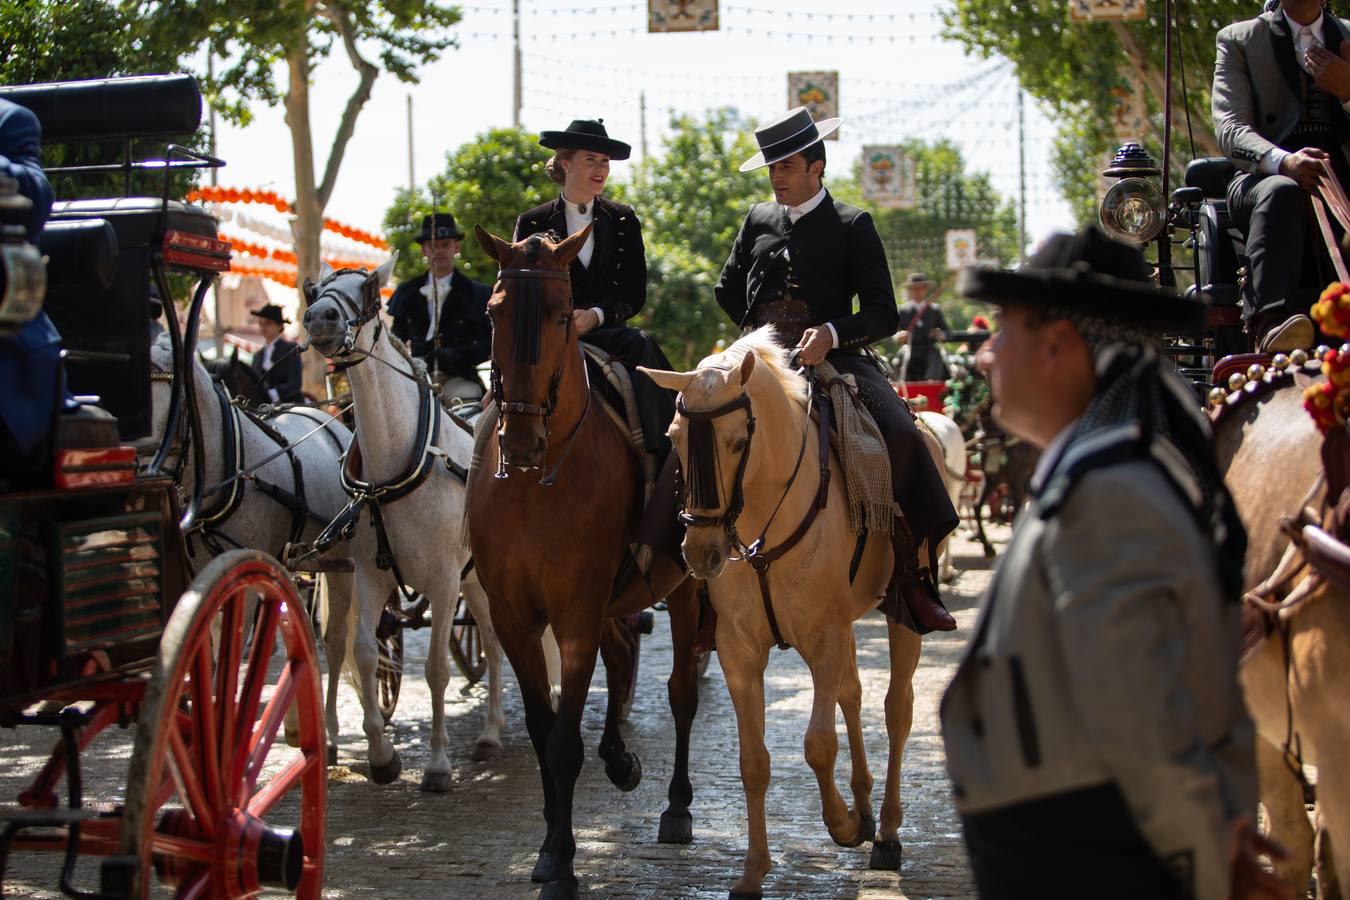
(441,314)
(1095,731)
(922,325)
(797,264)
(277,365)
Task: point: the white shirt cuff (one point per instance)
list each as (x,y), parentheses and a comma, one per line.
(600,313)
(834,335)
(1270,163)
(273,395)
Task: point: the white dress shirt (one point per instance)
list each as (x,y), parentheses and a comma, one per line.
(796,212)
(265,364)
(577,220)
(1305,37)
(435,302)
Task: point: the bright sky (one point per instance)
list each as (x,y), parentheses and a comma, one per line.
(586,59)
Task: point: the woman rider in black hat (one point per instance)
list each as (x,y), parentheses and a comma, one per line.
(609,275)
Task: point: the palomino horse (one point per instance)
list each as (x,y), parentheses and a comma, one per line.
(954,460)
(407,476)
(551,508)
(1295,681)
(749,451)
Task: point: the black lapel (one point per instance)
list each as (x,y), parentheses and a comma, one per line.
(604,234)
(1331,33)
(1282,40)
(557,219)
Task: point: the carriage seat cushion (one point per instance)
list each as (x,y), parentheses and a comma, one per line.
(81,253)
(137,219)
(1211,175)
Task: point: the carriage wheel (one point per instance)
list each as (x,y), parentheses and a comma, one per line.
(466,643)
(216,806)
(389,668)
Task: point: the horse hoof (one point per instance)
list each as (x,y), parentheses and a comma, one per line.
(388,772)
(676,827)
(543,867)
(436,782)
(292,738)
(885,856)
(867,830)
(626,773)
(563,889)
(332,754)
(485,751)
(988,552)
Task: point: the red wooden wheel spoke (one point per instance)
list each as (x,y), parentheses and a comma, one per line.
(227,675)
(189,787)
(181,848)
(259,658)
(287,778)
(198,886)
(266,731)
(204,722)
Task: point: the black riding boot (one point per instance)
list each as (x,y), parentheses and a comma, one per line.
(922,610)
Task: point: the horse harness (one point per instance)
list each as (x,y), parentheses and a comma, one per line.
(526,339)
(703,487)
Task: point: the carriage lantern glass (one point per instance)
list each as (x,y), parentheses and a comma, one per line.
(1133,209)
(23,275)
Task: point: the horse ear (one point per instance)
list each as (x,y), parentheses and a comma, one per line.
(571,246)
(492,245)
(234,355)
(672,381)
(310,290)
(747,366)
(386,269)
(325,270)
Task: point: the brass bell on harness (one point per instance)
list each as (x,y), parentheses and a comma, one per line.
(1236,381)
(1279,362)
(1217,395)
(1255,372)
(1298,357)
(1322,350)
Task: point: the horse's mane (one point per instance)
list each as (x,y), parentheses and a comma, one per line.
(418,366)
(770,353)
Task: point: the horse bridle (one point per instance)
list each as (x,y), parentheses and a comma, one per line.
(726,519)
(370,309)
(546,410)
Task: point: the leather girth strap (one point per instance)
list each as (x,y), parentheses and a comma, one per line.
(760,559)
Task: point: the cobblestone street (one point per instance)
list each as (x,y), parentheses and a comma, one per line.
(480,839)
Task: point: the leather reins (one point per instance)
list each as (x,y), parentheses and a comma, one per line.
(759,558)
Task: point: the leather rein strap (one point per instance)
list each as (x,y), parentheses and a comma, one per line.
(755,554)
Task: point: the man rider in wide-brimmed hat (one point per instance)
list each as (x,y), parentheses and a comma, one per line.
(922,325)
(1095,730)
(798,263)
(441,314)
(277,364)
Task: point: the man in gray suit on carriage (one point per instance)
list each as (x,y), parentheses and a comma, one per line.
(1280,97)
(1095,730)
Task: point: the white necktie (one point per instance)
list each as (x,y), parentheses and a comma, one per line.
(1305,40)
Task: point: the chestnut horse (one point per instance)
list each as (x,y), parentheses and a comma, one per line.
(552,505)
(757,471)
(1295,683)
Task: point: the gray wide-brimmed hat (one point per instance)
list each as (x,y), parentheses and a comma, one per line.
(1087,273)
(787,135)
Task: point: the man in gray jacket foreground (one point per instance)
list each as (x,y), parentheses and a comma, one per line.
(1095,731)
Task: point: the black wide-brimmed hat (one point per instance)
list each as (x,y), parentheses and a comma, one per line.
(915,278)
(1088,273)
(789,134)
(586,134)
(439,226)
(272,313)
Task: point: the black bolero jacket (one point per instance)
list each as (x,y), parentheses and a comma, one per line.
(616,280)
(833,253)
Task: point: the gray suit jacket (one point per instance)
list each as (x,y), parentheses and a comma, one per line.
(1255,102)
(1104,652)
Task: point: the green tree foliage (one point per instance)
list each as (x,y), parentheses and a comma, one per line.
(489,182)
(1074,69)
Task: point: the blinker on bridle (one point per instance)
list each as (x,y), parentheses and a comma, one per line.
(704,487)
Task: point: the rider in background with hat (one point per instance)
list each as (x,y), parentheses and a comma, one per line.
(277,364)
(922,325)
(609,275)
(1095,730)
(441,314)
(798,262)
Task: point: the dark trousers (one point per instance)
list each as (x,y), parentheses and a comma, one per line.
(1077,844)
(918,485)
(656,406)
(1272,211)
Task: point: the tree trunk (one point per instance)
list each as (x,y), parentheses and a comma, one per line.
(308,223)
(1152,77)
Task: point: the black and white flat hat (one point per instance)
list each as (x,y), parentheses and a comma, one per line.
(790,133)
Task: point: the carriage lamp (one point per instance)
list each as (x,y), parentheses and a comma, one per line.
(23,275)
(1134,209)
